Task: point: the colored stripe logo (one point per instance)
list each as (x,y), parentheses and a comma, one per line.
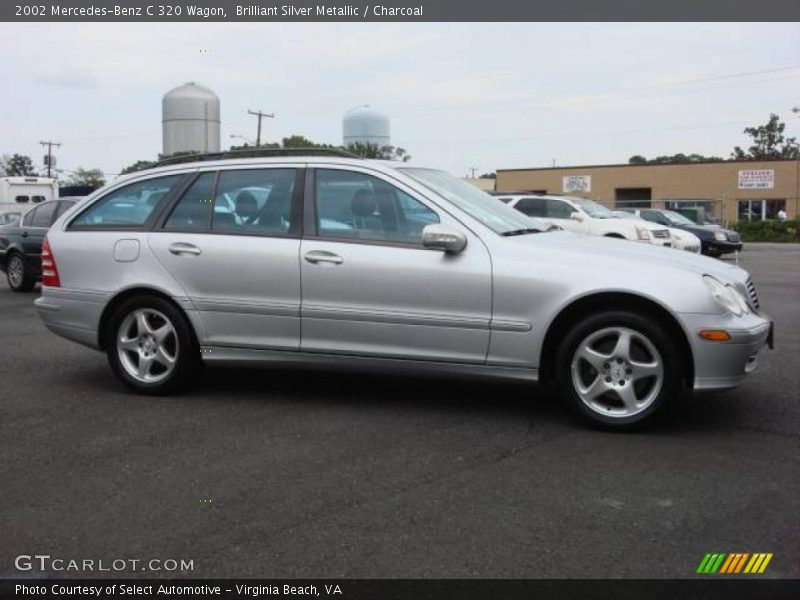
(734,562)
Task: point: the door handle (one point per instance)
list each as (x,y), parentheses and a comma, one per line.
(183,248)
(321,256)
(24,234)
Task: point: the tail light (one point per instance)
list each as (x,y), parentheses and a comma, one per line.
(49,270)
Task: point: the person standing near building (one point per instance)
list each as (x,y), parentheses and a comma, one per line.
(781,215)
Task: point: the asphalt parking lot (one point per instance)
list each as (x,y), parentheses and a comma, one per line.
(290,474)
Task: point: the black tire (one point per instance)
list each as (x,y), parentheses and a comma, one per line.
(18,274)
(664,394)
(182,340)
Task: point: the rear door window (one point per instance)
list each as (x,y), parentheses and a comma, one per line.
(128,206)
(533,207)
(254,202)
(43,216)
(193,210)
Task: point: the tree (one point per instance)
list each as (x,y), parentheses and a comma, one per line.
(19,164)
(89,177)
(139,165)
(299,141)
(674,159)
(488,176)
(367,150)
(769,143)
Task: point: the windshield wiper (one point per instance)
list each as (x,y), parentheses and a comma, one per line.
(521,231)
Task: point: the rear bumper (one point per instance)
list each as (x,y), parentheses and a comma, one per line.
(72,314)
(724,365)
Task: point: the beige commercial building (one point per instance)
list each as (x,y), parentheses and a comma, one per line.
(728,191)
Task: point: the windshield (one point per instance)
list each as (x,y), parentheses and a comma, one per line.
(678,218)
(592,208)
(497,216)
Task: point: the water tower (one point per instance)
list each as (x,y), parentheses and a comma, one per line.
(190,120)
(366,125)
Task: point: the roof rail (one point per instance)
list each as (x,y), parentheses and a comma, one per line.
(252,153)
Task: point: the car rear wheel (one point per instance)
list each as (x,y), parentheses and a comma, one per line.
(619,369)
(151,346)
(19,276)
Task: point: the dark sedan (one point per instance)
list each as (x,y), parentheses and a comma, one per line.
(21,243)
(715,241)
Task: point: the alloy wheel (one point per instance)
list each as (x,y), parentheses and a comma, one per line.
(16,271)
(617,372)
(147,345)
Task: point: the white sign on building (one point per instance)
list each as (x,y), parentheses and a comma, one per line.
(757,179)
(576,183)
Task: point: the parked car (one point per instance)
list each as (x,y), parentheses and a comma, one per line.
(377,265)
(10,217)
(588,217)
(715,240)
(21,243)
(681,240)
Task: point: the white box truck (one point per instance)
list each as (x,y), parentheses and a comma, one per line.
(24,192)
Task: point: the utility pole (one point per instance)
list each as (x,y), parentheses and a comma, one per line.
(260,115)
(49,156)
(473,169)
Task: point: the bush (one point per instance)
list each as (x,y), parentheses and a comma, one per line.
(769,231)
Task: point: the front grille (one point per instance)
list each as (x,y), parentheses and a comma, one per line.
(661,233)
(752,294)
(733,236)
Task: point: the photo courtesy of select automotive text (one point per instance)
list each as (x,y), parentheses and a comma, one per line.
(405,300)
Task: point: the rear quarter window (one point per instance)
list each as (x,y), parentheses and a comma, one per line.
(128,206)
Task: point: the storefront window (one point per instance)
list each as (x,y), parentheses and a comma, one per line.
(759,210)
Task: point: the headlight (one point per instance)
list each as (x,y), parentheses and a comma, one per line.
(720,236)
(727,296)
(642,233)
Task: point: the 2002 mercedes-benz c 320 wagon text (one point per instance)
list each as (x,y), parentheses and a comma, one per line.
(368,264)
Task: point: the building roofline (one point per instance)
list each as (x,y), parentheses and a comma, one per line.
(686,164)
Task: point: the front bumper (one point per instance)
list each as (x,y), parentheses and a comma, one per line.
(715,247)
(724,365)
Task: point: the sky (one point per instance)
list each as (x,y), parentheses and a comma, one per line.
(459,95)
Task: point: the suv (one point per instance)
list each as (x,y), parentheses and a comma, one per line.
(715,240)
(21,243)
(586,216)
(378,265)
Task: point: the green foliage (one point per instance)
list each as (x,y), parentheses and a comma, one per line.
(769,143)
(675,159)
(488,176)
(139,165)
(380,152)
(769,231)
(19,164)
(90,177)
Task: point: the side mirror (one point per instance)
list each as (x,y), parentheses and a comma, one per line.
(442,237)
(576,216)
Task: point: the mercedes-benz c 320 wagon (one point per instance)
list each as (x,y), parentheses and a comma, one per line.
(372,264)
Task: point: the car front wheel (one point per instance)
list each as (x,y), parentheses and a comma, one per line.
(151,346)
(619,369)
(19,276)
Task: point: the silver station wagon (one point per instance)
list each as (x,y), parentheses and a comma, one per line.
(336,260)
